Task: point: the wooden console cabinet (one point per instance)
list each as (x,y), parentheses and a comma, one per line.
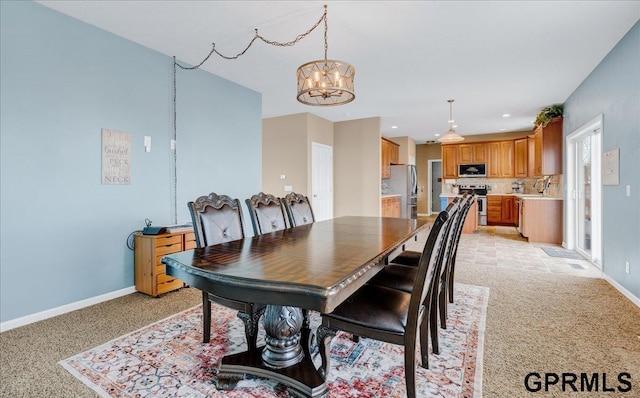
(391,207)
(150,275)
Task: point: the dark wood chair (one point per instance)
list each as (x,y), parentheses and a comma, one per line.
(218,219)
(411,258)
(392,315)
(298,209)
(267,213)
(402,277)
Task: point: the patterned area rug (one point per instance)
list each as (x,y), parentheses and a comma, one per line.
(168,359)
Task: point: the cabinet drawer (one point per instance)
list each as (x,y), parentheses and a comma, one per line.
(191,244)
(175,248)
(169,285)
(168,240)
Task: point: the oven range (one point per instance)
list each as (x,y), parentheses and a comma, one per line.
(481,191)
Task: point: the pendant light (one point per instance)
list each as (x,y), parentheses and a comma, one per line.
(451,135)
(326,82)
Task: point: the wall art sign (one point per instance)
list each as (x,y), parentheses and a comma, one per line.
(116,157)
(611,167)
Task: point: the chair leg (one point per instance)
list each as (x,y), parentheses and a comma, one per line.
(424,342)
(433,320)
(251,325)
(450,281)
(442,304)
(325,335)
(206,318)
(410,369)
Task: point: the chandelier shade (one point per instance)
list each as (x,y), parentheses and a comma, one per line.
(325,83)
(451,135)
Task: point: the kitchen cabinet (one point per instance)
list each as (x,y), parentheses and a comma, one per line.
(500,159)
(541,220)
(449,161)
(149,273)
(471,222)
(472,153)
(548,149)
(502,210)
(494,210)
(390,153)
(521,168)
(531,154)
(391,206)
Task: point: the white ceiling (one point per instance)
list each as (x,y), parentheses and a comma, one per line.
(492,57)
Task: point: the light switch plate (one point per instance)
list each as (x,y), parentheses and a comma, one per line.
(288,188)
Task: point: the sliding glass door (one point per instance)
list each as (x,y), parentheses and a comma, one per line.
(583,193)
(584,202)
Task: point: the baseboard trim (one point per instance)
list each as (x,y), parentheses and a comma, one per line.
(39,316)
(635,300)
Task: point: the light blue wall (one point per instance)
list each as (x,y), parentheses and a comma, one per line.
(63,234)
(613,90)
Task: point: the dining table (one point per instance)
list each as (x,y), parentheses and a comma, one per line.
(312,267)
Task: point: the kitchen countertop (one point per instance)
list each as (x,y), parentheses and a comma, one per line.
(390,195)
(518,195)
(534,196)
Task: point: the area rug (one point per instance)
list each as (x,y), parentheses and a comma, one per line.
(168,359)
(563,253)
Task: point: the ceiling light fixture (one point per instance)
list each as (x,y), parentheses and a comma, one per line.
(506,115)
(326,82)
(451,135)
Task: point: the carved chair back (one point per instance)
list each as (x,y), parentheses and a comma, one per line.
(267,213)
(298,209)
(216,219)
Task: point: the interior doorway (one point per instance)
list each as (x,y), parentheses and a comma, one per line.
(584,196)
(322,181)
(434,188)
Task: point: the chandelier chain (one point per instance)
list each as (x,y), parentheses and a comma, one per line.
(257,36)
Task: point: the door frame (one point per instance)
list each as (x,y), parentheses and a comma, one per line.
(429,179)
(571,202)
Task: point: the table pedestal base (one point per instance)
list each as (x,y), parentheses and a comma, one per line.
(286,357)
(303,378)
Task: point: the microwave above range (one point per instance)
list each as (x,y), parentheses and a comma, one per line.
(472,170)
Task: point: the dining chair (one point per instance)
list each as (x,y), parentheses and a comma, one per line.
(402,277)
(267,213)
(391,315)
(298,209)
(218,219)
(411,258)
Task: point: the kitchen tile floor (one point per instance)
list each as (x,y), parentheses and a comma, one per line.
(503,247)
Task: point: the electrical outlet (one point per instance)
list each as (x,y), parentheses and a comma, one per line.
(626,266)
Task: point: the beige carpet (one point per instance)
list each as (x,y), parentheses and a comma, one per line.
(541,318)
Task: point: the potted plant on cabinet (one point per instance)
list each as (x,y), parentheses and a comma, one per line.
(547,114)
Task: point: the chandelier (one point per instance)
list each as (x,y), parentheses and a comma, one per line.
(326,82)
(451,135)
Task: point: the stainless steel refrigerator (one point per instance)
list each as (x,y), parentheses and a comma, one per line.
(404,180)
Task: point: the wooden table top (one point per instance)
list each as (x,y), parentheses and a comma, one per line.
(316,265)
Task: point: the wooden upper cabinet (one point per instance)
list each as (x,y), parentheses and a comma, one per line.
(507,158)
(450,161)
(548,149)
(521,152)
(394,153)
(493,159)
(390,153)
(472,153)
(531,155)
(500,159)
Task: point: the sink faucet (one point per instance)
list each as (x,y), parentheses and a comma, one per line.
(543,183)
